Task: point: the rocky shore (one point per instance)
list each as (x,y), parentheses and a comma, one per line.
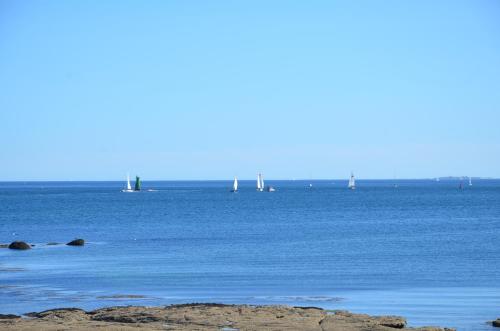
(205,317)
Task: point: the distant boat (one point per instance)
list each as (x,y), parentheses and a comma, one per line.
(260,183)
(310,185)
(137,183)
(437,179)
(129,187)
(470,181)
(270,189)
(352,182)
(235,185)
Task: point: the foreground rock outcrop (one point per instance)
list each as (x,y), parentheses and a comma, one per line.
(19,245)
(496,323)
(206,317)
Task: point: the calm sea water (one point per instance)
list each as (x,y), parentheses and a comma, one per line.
(425,250)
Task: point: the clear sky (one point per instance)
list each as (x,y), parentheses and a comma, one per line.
(91,90)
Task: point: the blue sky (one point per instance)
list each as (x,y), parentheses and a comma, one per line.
(91,90)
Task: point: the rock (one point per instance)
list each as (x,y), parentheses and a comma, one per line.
(496,323)
(52,244)
(391,321)
(206,317)
(344,320)
(76,242)
(126,315)
(4,245)
(58,313)
(19,245)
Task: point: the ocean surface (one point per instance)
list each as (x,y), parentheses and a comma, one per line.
(424,249)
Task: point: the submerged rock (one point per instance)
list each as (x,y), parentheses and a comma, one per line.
(496,323)
(53,244)
(19,245)
(76,242)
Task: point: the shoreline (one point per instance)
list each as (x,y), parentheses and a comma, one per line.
(206,316)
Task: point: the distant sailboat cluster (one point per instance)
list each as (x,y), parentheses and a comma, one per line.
(137,186)
(261,186)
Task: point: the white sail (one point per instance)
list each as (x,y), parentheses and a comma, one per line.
(258,182)
(235,184)
(129,187)
(470,181)
(261,181)
(352,182)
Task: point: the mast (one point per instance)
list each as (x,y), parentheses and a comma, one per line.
(137,183)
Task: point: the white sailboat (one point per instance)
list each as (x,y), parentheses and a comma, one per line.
(352,182)
(260,182)
(235,185)
(470,181)
(129,187)
(271,189)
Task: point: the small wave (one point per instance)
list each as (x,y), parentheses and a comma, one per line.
(300,298)
(122,297)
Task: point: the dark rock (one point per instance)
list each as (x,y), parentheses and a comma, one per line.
(52,244)
(8,316)
(122,315)
(395,322)
(496,323)
(19,245)
(58,312)
(4,245)
(76,242)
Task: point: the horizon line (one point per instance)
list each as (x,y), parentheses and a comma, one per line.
(245,179)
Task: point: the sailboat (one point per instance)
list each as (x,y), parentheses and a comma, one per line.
(260,182)
(235,185)
(137,183)
(129,187)
(470,181)
(352,182)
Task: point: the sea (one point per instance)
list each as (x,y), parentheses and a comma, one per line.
(422,249)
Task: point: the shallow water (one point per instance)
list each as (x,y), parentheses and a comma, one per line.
(425,250)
